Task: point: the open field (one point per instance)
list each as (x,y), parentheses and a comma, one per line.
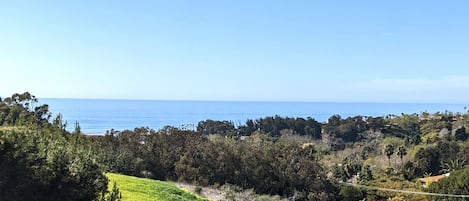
(141,189)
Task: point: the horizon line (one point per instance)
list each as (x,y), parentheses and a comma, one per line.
(262,101)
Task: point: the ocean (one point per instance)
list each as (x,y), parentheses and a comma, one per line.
(96,116)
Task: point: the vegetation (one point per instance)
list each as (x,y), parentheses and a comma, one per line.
(282,167)
(291,158)
(389,151)
(142,189)
(39,161)
(456,184)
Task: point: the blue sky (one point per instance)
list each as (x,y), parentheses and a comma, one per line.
(253,50)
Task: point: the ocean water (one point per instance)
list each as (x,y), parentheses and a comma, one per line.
(97,116)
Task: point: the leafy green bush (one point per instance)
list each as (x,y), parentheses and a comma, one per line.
(457,183)
(46,165)
(198,189)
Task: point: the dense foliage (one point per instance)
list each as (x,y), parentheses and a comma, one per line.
(272,126)
(47,166)
(40,161)
(282,168)
(456,184)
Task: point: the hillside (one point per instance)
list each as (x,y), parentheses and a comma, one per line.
(140,189)
(272,158)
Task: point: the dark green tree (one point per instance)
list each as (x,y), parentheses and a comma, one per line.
(427,161)
(351,165)
(350,193)
(46,165)
(40,160)
(366,174)
(339,173)
(208,127)
(461,134)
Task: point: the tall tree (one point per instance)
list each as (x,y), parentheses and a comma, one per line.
(389,151)
(401,152)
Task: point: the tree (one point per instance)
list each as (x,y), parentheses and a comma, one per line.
(401,152)
(313,128)
(427,161)
(350,193)
(452,165)
(461,134)
(366,174)
(389,151)
(375,123)
(46,165)
(208,127)
(40,160)
(339,173)
(351,165)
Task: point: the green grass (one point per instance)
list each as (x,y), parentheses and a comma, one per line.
(140,189)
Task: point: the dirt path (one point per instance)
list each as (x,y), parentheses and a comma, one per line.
(209,193)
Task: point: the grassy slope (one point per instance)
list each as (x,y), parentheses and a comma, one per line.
(140,189)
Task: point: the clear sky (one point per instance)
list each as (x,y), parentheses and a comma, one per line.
(251,50)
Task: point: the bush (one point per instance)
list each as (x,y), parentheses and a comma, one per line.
(198,189)
(114,195)
(456,183)
(46,165)
(350,193)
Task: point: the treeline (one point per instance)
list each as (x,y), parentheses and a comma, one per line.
(411,146)
(39,160)
(272,126)
(340,130)
(283,167)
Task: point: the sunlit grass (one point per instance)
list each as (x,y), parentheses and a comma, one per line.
(140,189)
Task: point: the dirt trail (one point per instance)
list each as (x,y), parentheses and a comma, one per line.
(207,192)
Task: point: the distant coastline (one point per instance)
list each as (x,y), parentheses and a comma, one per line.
(98,115)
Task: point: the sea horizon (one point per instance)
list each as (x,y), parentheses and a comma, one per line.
(96,116)
(261,101)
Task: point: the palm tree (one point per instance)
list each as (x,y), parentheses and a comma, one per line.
(452,165)
(389,151)
(401,152)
